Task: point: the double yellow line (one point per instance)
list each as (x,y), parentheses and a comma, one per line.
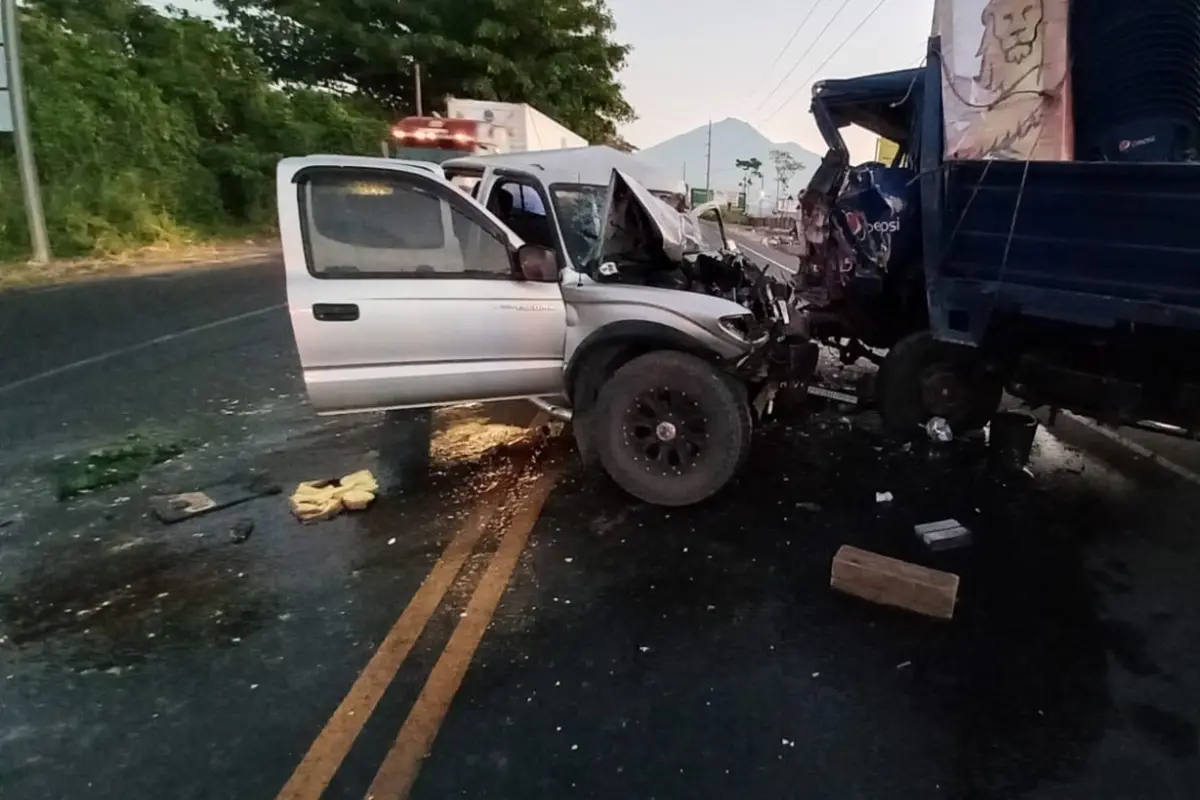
(399,769)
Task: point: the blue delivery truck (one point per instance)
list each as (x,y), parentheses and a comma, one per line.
(1068,284)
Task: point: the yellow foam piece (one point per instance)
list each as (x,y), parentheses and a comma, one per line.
(314,500)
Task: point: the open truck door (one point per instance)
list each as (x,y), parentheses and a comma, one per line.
(708,216)
(404,292)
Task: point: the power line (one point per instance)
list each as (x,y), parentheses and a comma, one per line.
(795,33)
(829,58)
(803,55)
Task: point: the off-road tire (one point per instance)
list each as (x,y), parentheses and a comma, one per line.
(743,393)
(711,397)
(900,393)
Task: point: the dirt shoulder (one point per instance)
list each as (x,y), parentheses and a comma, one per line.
(145,261)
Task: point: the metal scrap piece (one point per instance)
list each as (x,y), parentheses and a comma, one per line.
(946,534)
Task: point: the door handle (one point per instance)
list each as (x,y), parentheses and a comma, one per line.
(335,312)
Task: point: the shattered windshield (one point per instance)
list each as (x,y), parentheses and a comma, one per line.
(578,208)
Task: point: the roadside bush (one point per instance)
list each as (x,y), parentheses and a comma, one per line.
(154,128)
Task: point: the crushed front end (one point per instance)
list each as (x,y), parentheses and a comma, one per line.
(645,242)
(858,228)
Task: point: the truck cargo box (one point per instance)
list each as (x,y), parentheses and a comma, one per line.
(528,128)
(1091,243)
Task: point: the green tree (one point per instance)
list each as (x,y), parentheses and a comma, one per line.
(786,166)
(557,55)
(151,127)
(751,168)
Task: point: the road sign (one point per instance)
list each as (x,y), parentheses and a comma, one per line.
(701,196)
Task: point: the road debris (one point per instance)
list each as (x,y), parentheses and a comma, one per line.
(318,500)
(946,534)
(939,430)
(241,530)
(172,508)
(884,497)
(892,582)
(845,398)
(469,433)
(111,466)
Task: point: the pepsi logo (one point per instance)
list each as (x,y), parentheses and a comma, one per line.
(856,222)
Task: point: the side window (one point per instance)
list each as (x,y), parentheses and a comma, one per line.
(525,199)
(712,229)
(520,206)
(388,224)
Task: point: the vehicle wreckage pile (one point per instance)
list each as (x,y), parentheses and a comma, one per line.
(647,243)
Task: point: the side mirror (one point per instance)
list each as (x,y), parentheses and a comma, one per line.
(536,263)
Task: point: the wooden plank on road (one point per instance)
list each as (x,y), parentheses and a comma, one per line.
(892,582)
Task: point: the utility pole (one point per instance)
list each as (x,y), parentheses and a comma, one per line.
(12,93)
(417,77)
(708,166)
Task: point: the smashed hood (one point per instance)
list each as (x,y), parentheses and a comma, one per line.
(644,241)
(637,227)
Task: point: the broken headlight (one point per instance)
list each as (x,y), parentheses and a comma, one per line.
(743,327)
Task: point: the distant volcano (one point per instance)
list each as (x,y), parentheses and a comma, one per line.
(732,139)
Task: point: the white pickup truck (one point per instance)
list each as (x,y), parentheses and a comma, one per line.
(564,277)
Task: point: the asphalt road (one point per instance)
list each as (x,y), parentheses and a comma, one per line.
(583,645)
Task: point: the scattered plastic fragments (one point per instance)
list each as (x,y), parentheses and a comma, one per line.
(884,497)
(111,466)
(939,430)
(241,530)
(946,534)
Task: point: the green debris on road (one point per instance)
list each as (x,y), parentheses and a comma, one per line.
(111,466)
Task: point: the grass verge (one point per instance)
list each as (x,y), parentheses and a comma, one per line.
(157,258)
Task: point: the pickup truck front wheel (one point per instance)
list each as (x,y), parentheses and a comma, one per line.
(671,429)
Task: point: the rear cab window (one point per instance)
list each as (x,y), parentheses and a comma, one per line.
(467,179)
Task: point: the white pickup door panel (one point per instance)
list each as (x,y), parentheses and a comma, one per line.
(401,292)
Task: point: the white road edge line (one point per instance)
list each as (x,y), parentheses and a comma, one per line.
(50,373)
(1134,447)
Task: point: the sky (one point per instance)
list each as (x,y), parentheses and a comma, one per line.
(700,60)
(727,59)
